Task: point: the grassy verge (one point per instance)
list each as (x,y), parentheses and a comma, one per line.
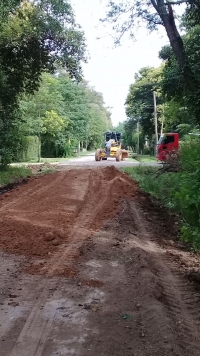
(162,186)
(52,160)
(145,159)
(43,160)
(177,191)
(13,174)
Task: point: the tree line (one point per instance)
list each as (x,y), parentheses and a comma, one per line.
(176,81)
(64,116)
(177,85)
(42,91)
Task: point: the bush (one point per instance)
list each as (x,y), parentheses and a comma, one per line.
(146,151)
(179,189)
(13,174)
(28,149)
(161,185)
(187,199)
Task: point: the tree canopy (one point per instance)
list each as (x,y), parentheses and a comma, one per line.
(63,114)
(139,102)
(127,15)
(35,37)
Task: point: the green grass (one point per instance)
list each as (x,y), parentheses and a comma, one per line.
(130,159)
(145,158)
(13,174)
(52,160)
(43,160)
(162,186)
(177,191)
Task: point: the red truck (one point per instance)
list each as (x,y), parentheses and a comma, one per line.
(168,142)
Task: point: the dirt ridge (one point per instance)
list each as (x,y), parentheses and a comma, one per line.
(97,270)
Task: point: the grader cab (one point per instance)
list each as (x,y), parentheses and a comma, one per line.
(112,148)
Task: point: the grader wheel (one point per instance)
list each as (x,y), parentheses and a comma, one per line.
(118,155)
(97,155)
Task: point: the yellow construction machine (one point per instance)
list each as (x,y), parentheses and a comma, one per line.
(112,148)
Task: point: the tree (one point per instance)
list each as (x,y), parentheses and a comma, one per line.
(126,15)
(35,36)
(139,102)
(119,127)
(64,114)
(173,83)
(99,119)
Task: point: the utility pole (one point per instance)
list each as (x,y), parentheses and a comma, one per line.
(163,119)
(138,132)
(155,116)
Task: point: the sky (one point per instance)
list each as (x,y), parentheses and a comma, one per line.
(111,70)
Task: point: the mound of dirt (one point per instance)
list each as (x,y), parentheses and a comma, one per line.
(58,212)
(39,168)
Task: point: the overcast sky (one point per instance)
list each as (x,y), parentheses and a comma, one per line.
(111,70)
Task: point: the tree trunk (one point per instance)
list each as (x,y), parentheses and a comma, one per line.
(39,148)
(175,39)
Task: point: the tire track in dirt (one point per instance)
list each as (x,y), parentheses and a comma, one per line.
(101,199)
(33,336)
(26,210)
(23,299)
(126,265)
(175,291)
(146,288)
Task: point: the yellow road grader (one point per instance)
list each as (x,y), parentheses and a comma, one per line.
(112,148)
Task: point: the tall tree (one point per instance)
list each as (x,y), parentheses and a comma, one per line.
(173,83)
(128,14)
(35,36)
(63,113)
(139,102)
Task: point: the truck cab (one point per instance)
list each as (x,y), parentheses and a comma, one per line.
(167,143)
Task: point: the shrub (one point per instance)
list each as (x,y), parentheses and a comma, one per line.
(178,189)
(146,151)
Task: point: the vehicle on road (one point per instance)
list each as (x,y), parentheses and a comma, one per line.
(112,148)
(168,142)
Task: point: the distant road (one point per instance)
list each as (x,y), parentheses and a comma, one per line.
(88,160)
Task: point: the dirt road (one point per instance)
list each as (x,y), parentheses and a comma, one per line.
(88,161)
(89,265)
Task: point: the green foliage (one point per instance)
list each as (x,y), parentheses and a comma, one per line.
(140,107)
(126,16)
(53,124)
(62,114)
(119,127)
(180,191)
(174,84)
(28,149)
(35,36)
(139,102)
(13,174)
(159,185)
(187,198)
(9,141)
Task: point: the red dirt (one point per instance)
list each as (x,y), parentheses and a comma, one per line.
(133,288)
(44,214)
(92,283)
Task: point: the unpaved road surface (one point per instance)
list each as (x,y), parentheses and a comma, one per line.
(91,266)
(88,161)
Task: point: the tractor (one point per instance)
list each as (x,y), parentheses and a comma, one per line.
(112,148)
